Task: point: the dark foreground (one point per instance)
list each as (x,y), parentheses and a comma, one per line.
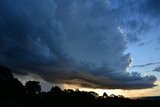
(14,94)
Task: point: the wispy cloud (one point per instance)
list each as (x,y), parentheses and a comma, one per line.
(145,65)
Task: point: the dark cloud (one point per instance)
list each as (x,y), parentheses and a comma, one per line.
(158,39)
(104,80)
(151,8)
(27,32)
(145,65)
(142,44)
(74,42)
(157,69)
(132,38)
(136,29)
(135,19)
(139,26)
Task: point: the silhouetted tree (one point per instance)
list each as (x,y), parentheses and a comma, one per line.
(55,89)
(120,96)
(70,91)
(105,95)
(32,87)
(94,94)
(5,74)
(77,89)
(10,87)
(112,95)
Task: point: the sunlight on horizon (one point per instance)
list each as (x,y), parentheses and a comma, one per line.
(46,86)
(137,93)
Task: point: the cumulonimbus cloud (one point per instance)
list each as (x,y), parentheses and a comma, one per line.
(76,42)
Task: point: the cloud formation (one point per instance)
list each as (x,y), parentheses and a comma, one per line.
(158,39)
(76,42)
(137,17)
(157,69)
(151,8)
(145,65)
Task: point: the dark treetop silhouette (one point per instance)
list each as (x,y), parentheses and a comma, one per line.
(14,94)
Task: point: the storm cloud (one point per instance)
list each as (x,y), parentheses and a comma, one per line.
(151,8)
(76,42)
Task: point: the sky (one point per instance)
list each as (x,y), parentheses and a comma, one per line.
(101,45)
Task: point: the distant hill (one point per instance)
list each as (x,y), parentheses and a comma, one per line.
(152,98)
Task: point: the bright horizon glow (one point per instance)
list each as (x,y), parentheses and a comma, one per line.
(137,93)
